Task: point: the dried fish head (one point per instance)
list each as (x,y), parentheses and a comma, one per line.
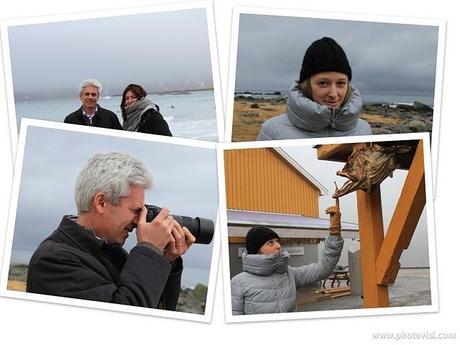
(368,166)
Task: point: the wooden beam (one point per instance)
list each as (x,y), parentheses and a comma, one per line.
(404,220)
(371,238)
(341,152)
(325,151)
(236,240)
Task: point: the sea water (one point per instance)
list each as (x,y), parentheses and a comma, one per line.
(395,99)
(367,98)
(189,114)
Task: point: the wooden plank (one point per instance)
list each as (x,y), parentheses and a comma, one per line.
(332,290)
(371,237)
(324,152)
(237,240)
(340,295)
(404,220)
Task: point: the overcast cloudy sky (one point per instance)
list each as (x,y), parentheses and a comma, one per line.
(325,172)
(185,181)
(385,58)
(161,51)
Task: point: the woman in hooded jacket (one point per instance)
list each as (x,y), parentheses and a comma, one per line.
(268,284)
(140,114)
(323,102)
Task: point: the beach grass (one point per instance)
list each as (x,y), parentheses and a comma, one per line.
(248,117)
(16,285)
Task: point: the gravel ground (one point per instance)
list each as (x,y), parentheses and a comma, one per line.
(411,288)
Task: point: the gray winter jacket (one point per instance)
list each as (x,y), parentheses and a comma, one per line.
(268,285)
(305,118)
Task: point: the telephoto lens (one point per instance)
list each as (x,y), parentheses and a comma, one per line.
(201,228)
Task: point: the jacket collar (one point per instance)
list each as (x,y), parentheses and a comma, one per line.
(111,254)
(308,115)
(80,236)
(265,265)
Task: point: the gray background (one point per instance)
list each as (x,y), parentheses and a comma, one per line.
(385,58)
(161,51)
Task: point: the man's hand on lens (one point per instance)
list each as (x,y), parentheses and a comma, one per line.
(159,231)
(183,239)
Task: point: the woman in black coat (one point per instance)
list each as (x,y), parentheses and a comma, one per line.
(140,114)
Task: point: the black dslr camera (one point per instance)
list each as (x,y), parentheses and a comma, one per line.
(201,228)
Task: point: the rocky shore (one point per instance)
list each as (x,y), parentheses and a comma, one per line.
(250,112)
(193,300)
(190,300)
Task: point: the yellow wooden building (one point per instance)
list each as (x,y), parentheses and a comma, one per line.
(268,180)
(265,186)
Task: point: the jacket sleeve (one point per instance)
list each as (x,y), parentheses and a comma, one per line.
(171,292)
(63,273)
(363,128)
(153,122)
(237,297)
(115,122)
(307,274)
(265,132)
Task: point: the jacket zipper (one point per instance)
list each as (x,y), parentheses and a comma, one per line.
(333,118)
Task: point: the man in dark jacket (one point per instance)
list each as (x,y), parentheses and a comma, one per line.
(90,113)
(84,257)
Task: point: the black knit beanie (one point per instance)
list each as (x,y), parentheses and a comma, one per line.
(257,236)
(324,55)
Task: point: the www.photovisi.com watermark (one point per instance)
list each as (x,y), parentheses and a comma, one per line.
(423,335)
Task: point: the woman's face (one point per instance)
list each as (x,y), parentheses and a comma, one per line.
(329,88)
(272,246)
(130,98)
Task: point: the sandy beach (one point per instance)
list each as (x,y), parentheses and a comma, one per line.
(16,285)
(249,114)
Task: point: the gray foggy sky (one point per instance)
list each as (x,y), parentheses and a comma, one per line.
(325,172)
(185,181)
(161,51)
(385,58)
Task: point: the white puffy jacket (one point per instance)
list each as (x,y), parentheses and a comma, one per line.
(268,285)
(305,118)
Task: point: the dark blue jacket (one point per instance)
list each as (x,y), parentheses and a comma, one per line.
(103,118)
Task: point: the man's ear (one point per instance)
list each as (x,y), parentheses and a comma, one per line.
(99,202)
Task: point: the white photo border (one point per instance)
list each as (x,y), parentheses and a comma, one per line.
(434,307)
(29,123)
(166,7)
(301,13)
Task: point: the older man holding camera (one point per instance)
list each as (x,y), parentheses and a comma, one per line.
(84,257)
(91,113)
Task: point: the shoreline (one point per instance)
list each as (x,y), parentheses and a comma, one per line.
(105,97)
(249,113)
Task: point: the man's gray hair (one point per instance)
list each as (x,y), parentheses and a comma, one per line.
(90,82)
(111,173)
